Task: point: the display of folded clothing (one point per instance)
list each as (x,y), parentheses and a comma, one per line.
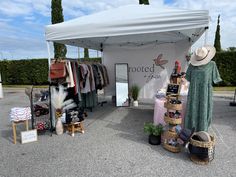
(185,134)
(41,109)
(175,115)
(75,115)
(44,95)
(42,125)
(20,113)
(175,101)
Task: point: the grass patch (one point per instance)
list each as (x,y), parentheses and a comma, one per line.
(224,88)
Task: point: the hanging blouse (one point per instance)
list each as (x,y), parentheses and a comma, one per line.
(69,78)
(85,77)
(92,82)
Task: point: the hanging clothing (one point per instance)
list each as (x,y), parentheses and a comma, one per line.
(89,100)
(85,78)
(100,67)
(92,82)
(200,103)
(69,78)
(96,76)
(76,77)
(99,84)
(106,75)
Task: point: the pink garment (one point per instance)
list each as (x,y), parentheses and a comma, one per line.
(160,110)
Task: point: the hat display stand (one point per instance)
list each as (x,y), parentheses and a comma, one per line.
(172,118)
(210,145)
(170,135)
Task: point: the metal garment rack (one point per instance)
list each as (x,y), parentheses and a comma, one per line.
(32,104)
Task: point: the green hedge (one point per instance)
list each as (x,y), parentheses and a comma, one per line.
(35,71)
(21,72)
(226,63)
(27,72)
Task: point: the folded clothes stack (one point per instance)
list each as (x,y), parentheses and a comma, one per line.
(161,94)
(19,113)
(175,114)
(175,101)
(41,109)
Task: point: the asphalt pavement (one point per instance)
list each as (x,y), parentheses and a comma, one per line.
(113,144)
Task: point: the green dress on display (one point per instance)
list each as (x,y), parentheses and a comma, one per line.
(200,104)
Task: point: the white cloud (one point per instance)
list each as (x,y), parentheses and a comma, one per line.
(5,28)
(25,7)
(24,47)
(42,7)
(227,11)
(78,8)
(12,8)
(31,32)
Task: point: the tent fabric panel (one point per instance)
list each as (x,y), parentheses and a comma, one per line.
(136,40)
(127,20)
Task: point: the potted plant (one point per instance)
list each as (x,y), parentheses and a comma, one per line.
(134,94)
(154,132)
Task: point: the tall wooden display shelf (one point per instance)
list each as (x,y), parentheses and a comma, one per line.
(172,121)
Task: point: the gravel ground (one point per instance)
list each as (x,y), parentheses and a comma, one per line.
(113,145)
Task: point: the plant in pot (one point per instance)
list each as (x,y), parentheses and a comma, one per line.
(134,93)
(154,132)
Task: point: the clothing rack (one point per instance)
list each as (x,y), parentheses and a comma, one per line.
(33,103)
(91,69)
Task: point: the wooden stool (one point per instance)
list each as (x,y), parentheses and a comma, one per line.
(74,127)
(14,123)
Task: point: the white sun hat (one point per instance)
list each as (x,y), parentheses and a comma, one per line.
(203,55)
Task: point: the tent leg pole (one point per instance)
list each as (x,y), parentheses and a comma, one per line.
(206,36)
(49,54)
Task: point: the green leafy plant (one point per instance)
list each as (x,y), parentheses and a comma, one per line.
(135,92)
(152,129)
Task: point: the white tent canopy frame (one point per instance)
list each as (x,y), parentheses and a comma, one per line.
(132,26)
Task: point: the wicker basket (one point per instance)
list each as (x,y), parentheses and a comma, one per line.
(196,160)
(172,121)
(202,144)
(177,107)
(211,151)
(168,135)
(170,148)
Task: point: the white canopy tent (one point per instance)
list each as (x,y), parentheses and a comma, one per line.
(135,34)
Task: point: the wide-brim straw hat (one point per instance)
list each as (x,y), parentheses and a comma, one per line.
(203,55)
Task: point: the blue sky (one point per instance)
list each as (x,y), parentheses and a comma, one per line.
(22,22)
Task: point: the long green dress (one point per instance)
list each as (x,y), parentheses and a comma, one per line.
(200,104)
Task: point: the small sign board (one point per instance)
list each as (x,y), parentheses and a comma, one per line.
(173,89)
(29,136)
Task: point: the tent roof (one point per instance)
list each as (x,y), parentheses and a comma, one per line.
(131,25)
